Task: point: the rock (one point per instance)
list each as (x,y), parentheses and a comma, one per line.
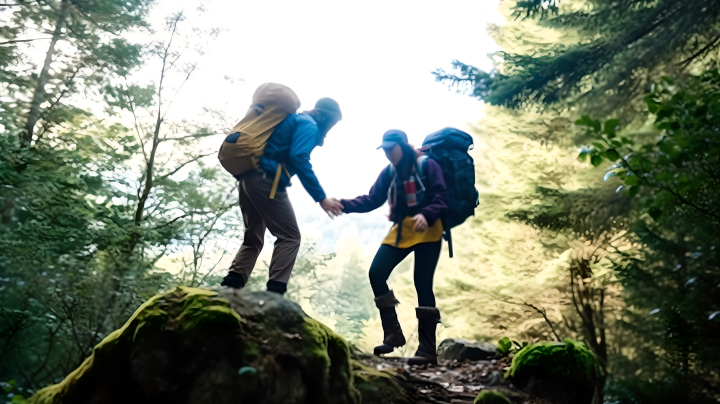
(462,349)
(493,379)
(379,386)
(201,346)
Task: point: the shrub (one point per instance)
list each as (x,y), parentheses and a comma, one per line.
(555,358)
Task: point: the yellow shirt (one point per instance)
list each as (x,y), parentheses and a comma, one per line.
(410,237)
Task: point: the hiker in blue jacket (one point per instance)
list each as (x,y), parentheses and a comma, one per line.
(289,147)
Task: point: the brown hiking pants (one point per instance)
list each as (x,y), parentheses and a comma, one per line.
(277,215)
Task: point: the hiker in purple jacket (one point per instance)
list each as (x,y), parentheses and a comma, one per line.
(415,189)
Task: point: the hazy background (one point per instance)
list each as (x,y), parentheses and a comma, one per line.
(374,58)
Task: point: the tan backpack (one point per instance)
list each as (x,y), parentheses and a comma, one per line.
(271,104)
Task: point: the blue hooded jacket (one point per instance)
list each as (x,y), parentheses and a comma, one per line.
(291,143)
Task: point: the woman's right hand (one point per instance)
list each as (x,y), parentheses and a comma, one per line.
(421,223)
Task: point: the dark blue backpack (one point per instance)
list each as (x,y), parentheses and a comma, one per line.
(449,148)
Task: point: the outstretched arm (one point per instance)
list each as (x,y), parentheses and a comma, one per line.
(373,200)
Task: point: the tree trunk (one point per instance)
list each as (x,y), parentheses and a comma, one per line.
(39,95)
(149,172)
(589,303)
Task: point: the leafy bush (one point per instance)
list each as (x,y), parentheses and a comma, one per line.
(13,393)
(555,358)
(505,346)
(491,397)
(680,168)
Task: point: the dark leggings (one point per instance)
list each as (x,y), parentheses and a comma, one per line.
(426,259)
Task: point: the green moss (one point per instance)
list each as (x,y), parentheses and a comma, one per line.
(321,335)
(199,306)
(491,397)
(367,373)
(239,347)
(566,359)
(378,386)
(252,351)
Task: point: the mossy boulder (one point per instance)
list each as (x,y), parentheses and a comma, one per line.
(202,346)
(378,386)
(491,397)
(563,372)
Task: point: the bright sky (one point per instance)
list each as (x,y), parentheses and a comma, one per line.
(373,57)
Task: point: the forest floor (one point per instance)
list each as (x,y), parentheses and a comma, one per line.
(450,382)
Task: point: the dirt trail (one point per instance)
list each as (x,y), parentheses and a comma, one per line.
(450,383)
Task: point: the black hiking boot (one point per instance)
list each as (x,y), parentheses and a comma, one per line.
(393,335)
(233,280)
(428,319)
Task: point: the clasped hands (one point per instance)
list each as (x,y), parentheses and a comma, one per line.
(332,207)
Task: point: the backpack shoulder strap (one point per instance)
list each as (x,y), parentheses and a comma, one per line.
(422,163)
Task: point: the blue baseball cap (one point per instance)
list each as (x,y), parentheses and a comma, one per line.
(393,137)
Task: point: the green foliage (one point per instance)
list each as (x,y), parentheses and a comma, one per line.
(518,346)
(94,53)
(673,179)
(343,296)
(643,262)
(78,252)
(491,397)
(535,8)
(610,39)
(680,169)
(504,346)
(12,393)
(671,388)
(555,358)
(59,221)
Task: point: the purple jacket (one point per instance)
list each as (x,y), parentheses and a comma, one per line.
(433,206)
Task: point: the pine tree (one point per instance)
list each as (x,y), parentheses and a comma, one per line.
(619,49)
